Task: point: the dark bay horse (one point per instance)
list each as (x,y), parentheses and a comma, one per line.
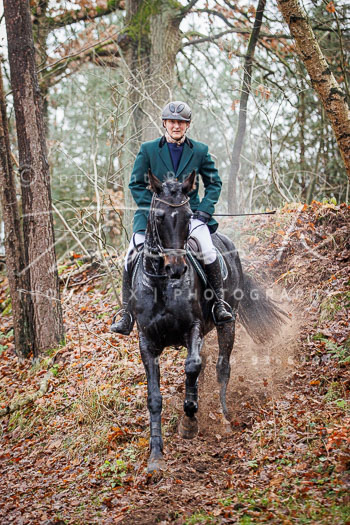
(172,307)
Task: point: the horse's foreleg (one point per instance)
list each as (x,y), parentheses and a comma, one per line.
(189,425)
(154,403)
(226,335)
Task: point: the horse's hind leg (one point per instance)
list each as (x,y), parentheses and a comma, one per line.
(150,359)
(189,426)
(226,335)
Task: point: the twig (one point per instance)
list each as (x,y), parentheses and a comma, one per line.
(88,280)
(44,385)
(70,230)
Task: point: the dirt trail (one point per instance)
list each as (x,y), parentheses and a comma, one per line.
(198,469)
(78,455)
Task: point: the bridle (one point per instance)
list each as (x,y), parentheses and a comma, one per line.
(159,248)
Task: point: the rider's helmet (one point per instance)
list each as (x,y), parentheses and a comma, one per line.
(177,110)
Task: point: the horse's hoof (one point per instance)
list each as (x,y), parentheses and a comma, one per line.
(155,465)
(188,428)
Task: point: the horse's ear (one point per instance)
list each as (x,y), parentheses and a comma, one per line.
(189,184)
(155,184)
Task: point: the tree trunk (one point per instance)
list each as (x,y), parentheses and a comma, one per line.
(40,33)
(35,179)
(14,252)
(323,81)
(150,53)
(164,45)
(233,206)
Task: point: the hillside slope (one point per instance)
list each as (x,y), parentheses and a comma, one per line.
(77,454)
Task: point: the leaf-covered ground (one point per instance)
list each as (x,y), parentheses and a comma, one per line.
(77,455)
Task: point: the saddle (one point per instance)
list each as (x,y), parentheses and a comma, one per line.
(193,255)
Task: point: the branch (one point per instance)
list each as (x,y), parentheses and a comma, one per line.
(70,230)
(106,41)
(215,13)
(58,68)
(86,14)
(211,38)
(188,7)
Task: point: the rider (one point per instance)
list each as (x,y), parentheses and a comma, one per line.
(175,154)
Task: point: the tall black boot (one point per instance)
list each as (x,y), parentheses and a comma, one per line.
(126,323)
(220,313)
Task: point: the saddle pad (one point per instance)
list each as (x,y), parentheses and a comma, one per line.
(191,256)
(194,249)
(198,266)
(135,265)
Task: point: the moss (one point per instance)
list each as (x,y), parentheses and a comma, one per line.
(7,306)
(139,25)
(111,6)
(330,306)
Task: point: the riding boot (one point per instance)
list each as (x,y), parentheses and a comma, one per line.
(126,323)
(220,313)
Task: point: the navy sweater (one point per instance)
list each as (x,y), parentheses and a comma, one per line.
(175,154)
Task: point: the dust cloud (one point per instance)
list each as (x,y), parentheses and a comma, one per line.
(259,373)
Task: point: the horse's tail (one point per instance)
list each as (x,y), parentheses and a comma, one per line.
(259,314)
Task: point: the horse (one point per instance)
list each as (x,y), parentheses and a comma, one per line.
(172,307)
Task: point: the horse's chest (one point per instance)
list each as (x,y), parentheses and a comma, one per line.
(165,312)
(173,300)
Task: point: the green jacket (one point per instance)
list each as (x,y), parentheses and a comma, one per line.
(155,155)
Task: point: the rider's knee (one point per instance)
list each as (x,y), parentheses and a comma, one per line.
(136,241)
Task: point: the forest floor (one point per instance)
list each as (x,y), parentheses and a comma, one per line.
(77,454)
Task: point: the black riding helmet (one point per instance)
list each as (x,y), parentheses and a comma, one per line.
(177,110)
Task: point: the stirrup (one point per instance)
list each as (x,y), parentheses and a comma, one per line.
(122,312)
(229,310)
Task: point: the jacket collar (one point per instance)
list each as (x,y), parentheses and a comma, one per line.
(185,157)
(162,141)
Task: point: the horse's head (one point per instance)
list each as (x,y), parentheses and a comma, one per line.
(169,221)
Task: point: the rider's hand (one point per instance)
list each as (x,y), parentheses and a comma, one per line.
(202,216)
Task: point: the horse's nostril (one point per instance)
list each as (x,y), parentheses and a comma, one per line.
(185,268)
(167,267)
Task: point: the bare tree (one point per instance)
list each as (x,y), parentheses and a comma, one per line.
(38,230)
(323,81)
(242,119)
(14,252)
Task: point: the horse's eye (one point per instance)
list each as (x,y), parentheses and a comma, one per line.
(160,214)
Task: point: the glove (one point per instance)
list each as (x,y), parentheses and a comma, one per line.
(202,216)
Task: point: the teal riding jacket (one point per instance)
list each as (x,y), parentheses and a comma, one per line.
(155,155)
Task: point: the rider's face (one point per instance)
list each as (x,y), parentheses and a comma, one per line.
(176,128)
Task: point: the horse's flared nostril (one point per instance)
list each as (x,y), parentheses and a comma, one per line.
(185,268)
(167,268)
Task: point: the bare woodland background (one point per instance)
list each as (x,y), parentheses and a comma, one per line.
(84,84)
(269,88)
